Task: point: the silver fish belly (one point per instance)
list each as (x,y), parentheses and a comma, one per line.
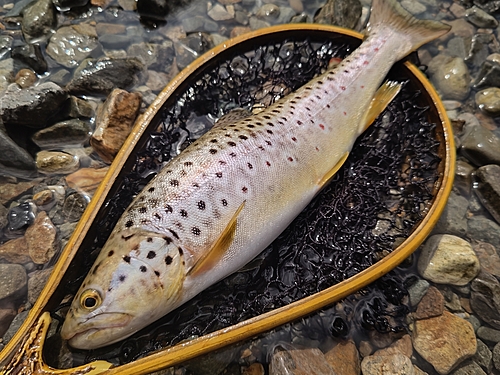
(233,191)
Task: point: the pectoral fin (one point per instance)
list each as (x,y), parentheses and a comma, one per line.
(219,248)
(327,177)
(384,95)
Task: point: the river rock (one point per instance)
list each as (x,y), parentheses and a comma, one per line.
(32,107)
(488,334)
(15,251)
(36,282)
(483,356)
(25,78)
(86,179)
(496,356)
(453,220)
(41,238)
(451,77)
(102,76)
(481,146)
(13,281)
(309,361)
(14,158)
(488,257)
(56,162)
(154,56)
(485,298)
(387,364)
(340,13)
(21,216)
(488,100)
(69,133)
(488,76)
(9,191)
(469,368)
(38,19)
(463,180)
(448,259)
(483,229)
(480,18)
(154,9)
(343,358)
(31,55)
(444,341)
(488,189)
(114,122)
(73,206)
(7,314)
(219,13)
(3,216)
(431,305)
(64,5)
(70,45)
(44,199)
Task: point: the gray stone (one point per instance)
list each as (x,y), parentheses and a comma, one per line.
(463,179)
(154,56)
(488,334)
(36,282)
(78,108)
(15,159)
(475,322)
(101,76)
(13,281)
(69,133)
(33,106)
(448,259)
(38,19)
(3,216)
(256,23)
(417,291)
(451,76)
(286,15)
(73,207)
(488,100)
(14,326)
(453,220)
(479,50)
(483,229)
(268,12)
(488,76)
(414,7)
(340,13)
(193,24)
(21,216)
(469,368)
(219,13)
(481,146)
(488,189)
(56,162)
(496,356)
(485,298)
(19,7)
(5,45)
(480,18)
(31,55)
(70,45)
(483,356)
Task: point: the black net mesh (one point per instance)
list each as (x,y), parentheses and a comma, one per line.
(370,207)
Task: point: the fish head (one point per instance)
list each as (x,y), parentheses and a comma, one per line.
(136,279)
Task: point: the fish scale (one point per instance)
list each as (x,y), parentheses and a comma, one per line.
(226,197)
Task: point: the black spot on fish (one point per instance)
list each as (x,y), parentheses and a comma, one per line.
(244,189)
(110,289)
(168,208)
(143,268)
(219,174)
(222,162)
(268,164)
(232,144)
(168,240)
(110,253)
(270,124)
(224,202)
(320,82)
(250,126)
(294,139)
(196,231)
(151,255)
(122,278)
(201,205)
(213,151)
(299,122)
(157,215)
(126,238)
(181,252)
(261,148)
(174,233)
(232,154)
(174,182)
(129,223)
(183,213)
(213,140)
(168,260)
(157,273)
(143,210)
(151,189)
(269,143)
(290,158)
(267,117)
(244,137)
(95,268)
(126,258)
(196,185)
(328,106)
(250,166)
(149,239)
(307,109)
(188,163)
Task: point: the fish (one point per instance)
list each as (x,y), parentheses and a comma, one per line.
(226,197)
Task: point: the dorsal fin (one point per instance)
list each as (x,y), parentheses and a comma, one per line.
(233,116)
(219,248)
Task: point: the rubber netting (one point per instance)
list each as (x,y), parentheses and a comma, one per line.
(373,203)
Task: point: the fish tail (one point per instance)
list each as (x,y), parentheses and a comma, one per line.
(390,14)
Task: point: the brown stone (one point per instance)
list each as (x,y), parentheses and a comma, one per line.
(344,358)
(240,30)
(86,179)
(401,346)
(15,251)
(432,304)
(253,369)
(41,238)
(110,28)
(114,121)
(488,257)
(36,282)
(6,317)
(10,191)
(43,198)
(309,361)
(444,341)
(387,364)
(100,3)
(25,78)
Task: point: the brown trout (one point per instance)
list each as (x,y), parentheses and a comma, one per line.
(226,197)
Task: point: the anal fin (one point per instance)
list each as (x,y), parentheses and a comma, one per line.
(219,248)
(327,177)
(384,95)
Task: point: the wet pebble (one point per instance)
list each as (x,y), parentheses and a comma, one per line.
(453,220)
(268,12)
(414,7)
(308,361)
(78,108)
(488,189)
(153,9)
(481,146)
(483,356)
(485,298)
(102,76)
(31,55)
(41,238)
(33,106)
(6,316)
(3,216)
(56,162)
(25,78)
(154,56)
(488,334)
(14,158)
(69,133)
(219,13)
(86,179)
(13,281)
(483,229)
(64,5)
(488,76)
(469,368)
(496,356)
(21,216)
(38,19)
(444,341)
(480,18)
(488,257)
(114,122)
(417,290)
(15,251)
(10,191)
(448,259)
(254,369)
(44,199)
(450,76)
(488,100)
(14,326)
(73,207)
(36,282)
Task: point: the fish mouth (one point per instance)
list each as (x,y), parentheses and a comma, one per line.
(98,331)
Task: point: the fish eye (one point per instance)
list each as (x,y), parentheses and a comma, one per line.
(90,299)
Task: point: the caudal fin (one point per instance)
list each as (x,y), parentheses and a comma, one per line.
(388,13)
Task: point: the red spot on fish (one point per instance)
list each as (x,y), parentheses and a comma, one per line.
(345,113)
(322,126)
(342,88)
(317,148)
(362,86)
(366,62)
(376,49)
(290,158)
